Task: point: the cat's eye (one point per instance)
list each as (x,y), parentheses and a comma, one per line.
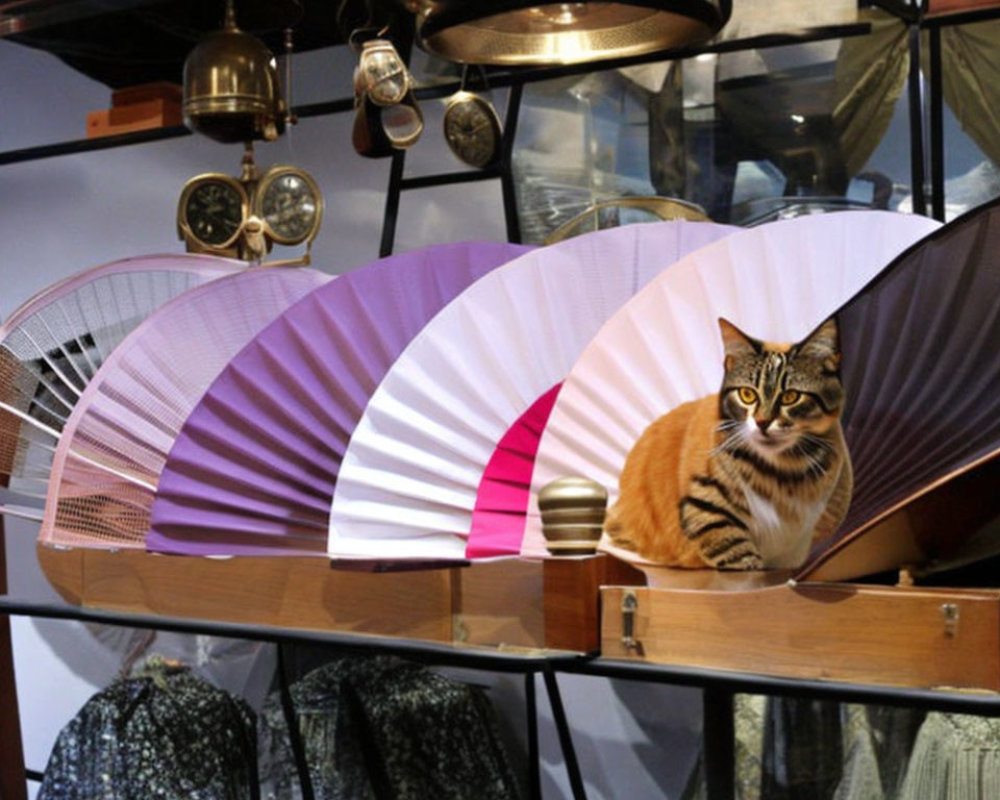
(789,397)
(747,395)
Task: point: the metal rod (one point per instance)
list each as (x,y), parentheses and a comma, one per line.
(446,178)
(88,145)
(719,744)
(936,108)
(565,735)
(12,785)
(507,186)
(955,701)
(292,721)
(916,124)
(416,650)
(391,215)
(534,754)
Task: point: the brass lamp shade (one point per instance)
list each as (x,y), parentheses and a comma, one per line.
(509,33)
(231,88)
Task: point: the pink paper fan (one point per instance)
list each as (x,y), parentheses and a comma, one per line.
(54,343)
(777,281)
(109,457)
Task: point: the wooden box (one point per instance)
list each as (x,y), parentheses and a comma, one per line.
(940,7)
(829,620)
(137,108)
(894,636)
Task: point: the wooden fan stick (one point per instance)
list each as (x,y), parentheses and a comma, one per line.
(12,774)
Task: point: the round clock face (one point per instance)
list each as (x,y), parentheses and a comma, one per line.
(290,205)
(213,210)
(472,129)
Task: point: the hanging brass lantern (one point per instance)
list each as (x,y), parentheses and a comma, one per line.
(511,33)
(231,88)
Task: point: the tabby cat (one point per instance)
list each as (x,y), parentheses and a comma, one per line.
(746,478)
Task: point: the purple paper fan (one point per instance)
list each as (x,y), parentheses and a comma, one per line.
(254,467)
(921,369)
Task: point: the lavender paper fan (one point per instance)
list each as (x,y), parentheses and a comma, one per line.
(111,452)
(254,468)
(54,343)
(409,480)
(920,364)
(777,281)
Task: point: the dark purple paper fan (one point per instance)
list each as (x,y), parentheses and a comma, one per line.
(254,467)
(921,365)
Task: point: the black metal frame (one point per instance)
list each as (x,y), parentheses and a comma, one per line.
(718,687)
(921,141)
(425,652)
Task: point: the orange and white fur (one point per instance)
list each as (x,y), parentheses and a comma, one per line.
(747,478)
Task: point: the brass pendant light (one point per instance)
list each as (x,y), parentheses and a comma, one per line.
(231,87)
(510,33)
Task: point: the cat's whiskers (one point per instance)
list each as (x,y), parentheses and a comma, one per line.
(735,435)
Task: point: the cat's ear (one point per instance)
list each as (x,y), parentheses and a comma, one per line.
(735,342)
(823,344)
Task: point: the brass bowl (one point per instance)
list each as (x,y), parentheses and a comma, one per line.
(509,33)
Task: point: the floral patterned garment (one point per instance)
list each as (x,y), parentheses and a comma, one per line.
(164,734)
(381,727)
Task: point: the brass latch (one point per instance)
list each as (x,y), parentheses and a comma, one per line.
(950,613)
(630,604)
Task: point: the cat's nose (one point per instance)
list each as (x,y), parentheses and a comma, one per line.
(763,425)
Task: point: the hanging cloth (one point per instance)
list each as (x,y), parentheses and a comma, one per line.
(164,733)
(378,728)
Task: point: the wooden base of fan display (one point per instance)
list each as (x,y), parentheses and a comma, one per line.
(503,604)
(890,636)
(818,626)
(829,621)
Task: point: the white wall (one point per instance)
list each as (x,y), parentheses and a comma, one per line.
(60,215)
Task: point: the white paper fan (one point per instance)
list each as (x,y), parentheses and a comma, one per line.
(53,344)
(776,282)
(114,445)
(408,482)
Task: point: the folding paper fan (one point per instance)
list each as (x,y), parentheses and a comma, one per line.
(254,467)
(922,418)
(502,494)
(52,345)
(777,282)
(108,460)
(409,481)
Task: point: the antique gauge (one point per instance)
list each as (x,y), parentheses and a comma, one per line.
(289,202)
(244,217)
(211,213)
(472,129)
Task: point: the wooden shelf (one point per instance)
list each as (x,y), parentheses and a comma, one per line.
(514,603)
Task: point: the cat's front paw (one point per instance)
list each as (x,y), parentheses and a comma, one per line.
(741,558)
(747,562)
(730,550)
